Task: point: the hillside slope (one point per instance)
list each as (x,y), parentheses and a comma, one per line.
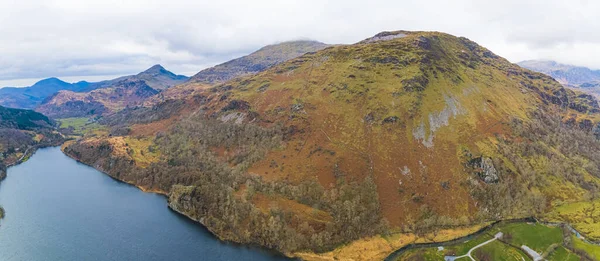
(403,132)
(257,61)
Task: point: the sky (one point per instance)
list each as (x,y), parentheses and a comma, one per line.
(99,39)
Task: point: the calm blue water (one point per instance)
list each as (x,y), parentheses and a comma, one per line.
(58,209)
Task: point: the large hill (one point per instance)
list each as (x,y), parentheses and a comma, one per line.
(157,77)
(118,96)
(257,61)
(113,96)
(403,132)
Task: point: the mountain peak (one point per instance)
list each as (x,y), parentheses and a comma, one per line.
(385,36)
(258,61)
(157,68)
(52,80)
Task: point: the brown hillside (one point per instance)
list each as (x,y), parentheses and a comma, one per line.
(405,131)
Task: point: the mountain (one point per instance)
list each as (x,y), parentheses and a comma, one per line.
(563,73)
(257,61)
(74,104)
(66,104)
(112,96)
(400,135)
(30,97)
(157,77)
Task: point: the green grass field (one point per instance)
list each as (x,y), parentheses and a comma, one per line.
(592,250)
(536,236)
(545,240)
(462,249)
(499,251)
(81,126)
(562,254)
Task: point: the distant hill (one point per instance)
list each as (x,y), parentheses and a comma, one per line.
(257,61)
(30,97)
(23,119)
(157,77)
(113,95)
(119,95)
(566,74)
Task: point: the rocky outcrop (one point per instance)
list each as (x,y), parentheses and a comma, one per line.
(180,200)
(437,120)
(484,169)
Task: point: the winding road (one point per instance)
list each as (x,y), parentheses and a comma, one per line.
(23,156)
(452,258)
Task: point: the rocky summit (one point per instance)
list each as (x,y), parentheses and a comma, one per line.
(257,61)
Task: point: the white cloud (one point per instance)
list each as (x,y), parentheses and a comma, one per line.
(42,38)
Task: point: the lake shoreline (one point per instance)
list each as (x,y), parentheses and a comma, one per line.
(178,212)
(196,238)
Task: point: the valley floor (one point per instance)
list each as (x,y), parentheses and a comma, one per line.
(511,241)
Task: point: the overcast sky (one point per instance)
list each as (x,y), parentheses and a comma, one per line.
(97,39)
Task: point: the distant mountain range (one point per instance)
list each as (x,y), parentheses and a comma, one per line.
(566,74)
(156,77)
(258,61)
(112,96)
(65,104)
(30,97)
(575,77)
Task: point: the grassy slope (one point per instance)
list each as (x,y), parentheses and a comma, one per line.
(583,216)
(563,254)
(340,87)
(592,250)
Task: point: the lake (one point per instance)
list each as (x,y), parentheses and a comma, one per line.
(59,209)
